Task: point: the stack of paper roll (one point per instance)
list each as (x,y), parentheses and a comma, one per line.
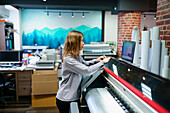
(145,50)
(135,37)
(150,51)
(156,50)
(155,33)
(159,61)
(165,69)
(151,33)
(164,51)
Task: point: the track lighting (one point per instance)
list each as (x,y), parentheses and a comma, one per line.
(72,14)
(147,14)
(60,14)
(47,13)
(144,16)
(83,15)
(155,17)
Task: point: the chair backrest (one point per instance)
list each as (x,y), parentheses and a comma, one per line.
(2,78)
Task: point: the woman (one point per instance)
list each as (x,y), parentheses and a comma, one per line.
(73,67)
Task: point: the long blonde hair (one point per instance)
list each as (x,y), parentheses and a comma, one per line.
(72,44)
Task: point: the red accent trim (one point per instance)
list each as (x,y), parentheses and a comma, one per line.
(153,104)
(2,20)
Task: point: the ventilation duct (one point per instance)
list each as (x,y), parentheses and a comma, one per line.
(4,13)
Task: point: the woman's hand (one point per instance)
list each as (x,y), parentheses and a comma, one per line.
(101,58)
(106,60)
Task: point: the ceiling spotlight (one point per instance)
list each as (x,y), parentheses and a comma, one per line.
(115,8)
(144,16)
(47,13)
(60,14)
(72,14)
(155,17)
(83,15)
(44,0)
(143,78)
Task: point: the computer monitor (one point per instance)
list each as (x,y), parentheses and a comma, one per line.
(11,56)
(128,50)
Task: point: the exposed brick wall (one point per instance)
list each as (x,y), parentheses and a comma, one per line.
(126,22)
(163,21)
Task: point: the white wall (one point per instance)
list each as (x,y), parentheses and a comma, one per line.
(111,26)
(149,22)
(14,17)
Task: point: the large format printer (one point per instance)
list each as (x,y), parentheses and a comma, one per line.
(91,51)
(123,88)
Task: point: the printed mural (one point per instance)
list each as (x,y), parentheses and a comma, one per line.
(55,29)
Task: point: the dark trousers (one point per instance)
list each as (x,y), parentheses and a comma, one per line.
(64,106)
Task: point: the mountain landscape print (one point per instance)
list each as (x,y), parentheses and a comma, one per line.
(56,37)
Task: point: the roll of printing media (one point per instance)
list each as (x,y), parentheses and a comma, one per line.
(145,50)
(155,60)
(166,69)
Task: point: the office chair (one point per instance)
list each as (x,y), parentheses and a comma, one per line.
(3,86)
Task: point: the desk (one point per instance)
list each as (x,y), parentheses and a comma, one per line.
(22,79)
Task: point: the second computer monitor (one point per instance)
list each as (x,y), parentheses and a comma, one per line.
(128,50)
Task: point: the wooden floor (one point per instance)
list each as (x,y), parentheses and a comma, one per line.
(30,110)
(24,106)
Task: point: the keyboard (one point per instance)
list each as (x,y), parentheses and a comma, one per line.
(5,66)
(45,67)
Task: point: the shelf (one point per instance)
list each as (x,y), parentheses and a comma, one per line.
(5,31)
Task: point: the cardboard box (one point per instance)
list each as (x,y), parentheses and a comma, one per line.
(39,72)
(44,100)
(44,84)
